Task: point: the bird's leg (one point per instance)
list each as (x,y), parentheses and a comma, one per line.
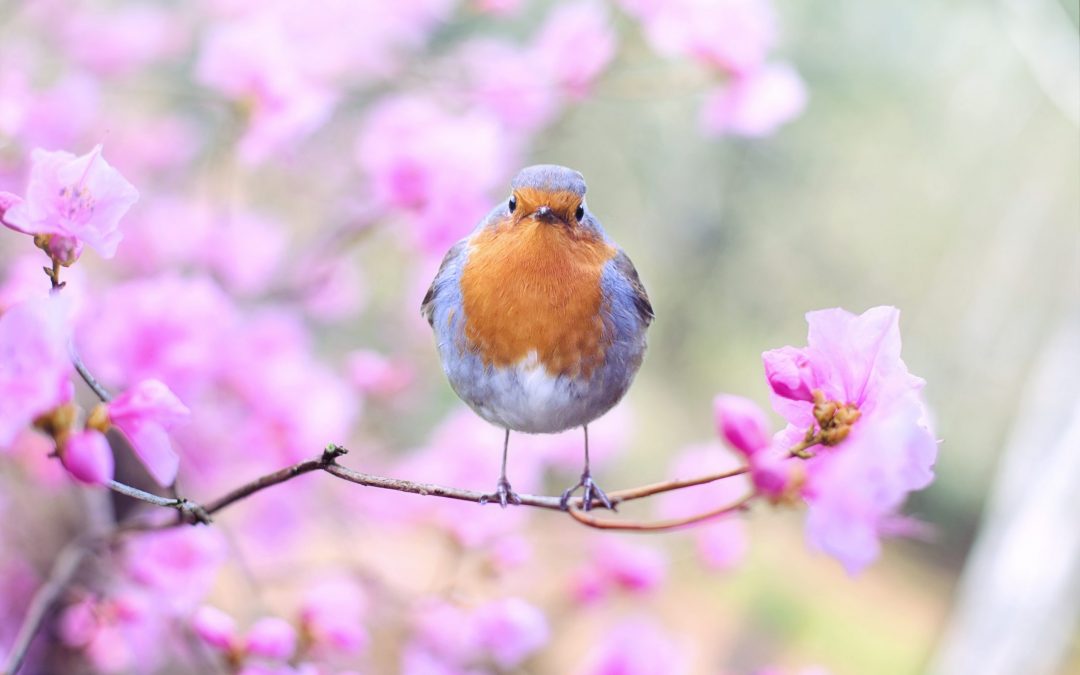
(503,493)
(590,490)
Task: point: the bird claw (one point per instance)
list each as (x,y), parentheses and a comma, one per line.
(590,491)
(503,494)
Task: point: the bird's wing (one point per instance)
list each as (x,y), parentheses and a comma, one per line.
(637,289)
(427,306)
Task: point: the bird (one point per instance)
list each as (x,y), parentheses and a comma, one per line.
(540,317)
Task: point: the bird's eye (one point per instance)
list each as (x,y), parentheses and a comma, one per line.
(513,204)
(580,213)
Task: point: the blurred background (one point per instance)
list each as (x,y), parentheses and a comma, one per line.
(301,173)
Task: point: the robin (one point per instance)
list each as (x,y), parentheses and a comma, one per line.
(539,316)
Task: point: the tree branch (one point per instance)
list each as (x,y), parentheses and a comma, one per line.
(63,571)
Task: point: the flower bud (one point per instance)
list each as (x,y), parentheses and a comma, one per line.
(214,627)
(271,638)
(87,457)
(741,423)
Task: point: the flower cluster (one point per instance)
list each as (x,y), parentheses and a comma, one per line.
(857,419)
(732,38)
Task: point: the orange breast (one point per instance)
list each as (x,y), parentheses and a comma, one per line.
(534,286)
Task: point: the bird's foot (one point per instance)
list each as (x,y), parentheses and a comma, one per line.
(590,491)
(503,494)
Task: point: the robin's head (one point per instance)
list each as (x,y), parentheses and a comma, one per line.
(549,194)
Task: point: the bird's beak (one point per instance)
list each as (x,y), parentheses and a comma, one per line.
(545,215)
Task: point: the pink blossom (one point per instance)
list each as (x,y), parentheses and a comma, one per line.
(167,328)
(271,638)
(78,197)
(497,7)
(144,413)
(88,457)
(732,35)
(35,365)
(215,628)
(635,646)
(293,401)
(122,40)
(741,423)
(332,616)
(615,563)
(116,632)
(755,103)
(246,250)
(374,374)
(179,564)
(854,494)
(574,45)
(61,115)
(508,82)
(251,60)
(510,552)
(858,480)
(412,151)
(511,630)
(448,632)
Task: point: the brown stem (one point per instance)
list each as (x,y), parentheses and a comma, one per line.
(590,520)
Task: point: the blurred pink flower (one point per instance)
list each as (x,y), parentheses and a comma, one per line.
(732,35)
(166,232)
(332,615)
(251,61)
(124,39)
(246,250)
(635,646)
(447,632)
(497,7)
(721,543)
(510,552)
(87,456)
(79,197)
(116,632)
(615,563)
(60,115)
(509,82)
(166,328)
(293,402)
(511,630)
(144,413)
(35,365)
(574,45)
(741,423)
(755,103)
(412,152)
(271,638)
(374,374)
(856,483)
(179,565)
(215,628)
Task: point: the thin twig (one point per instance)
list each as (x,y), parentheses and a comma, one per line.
(658,525)
(89,379)
(189,511)
(64,569)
